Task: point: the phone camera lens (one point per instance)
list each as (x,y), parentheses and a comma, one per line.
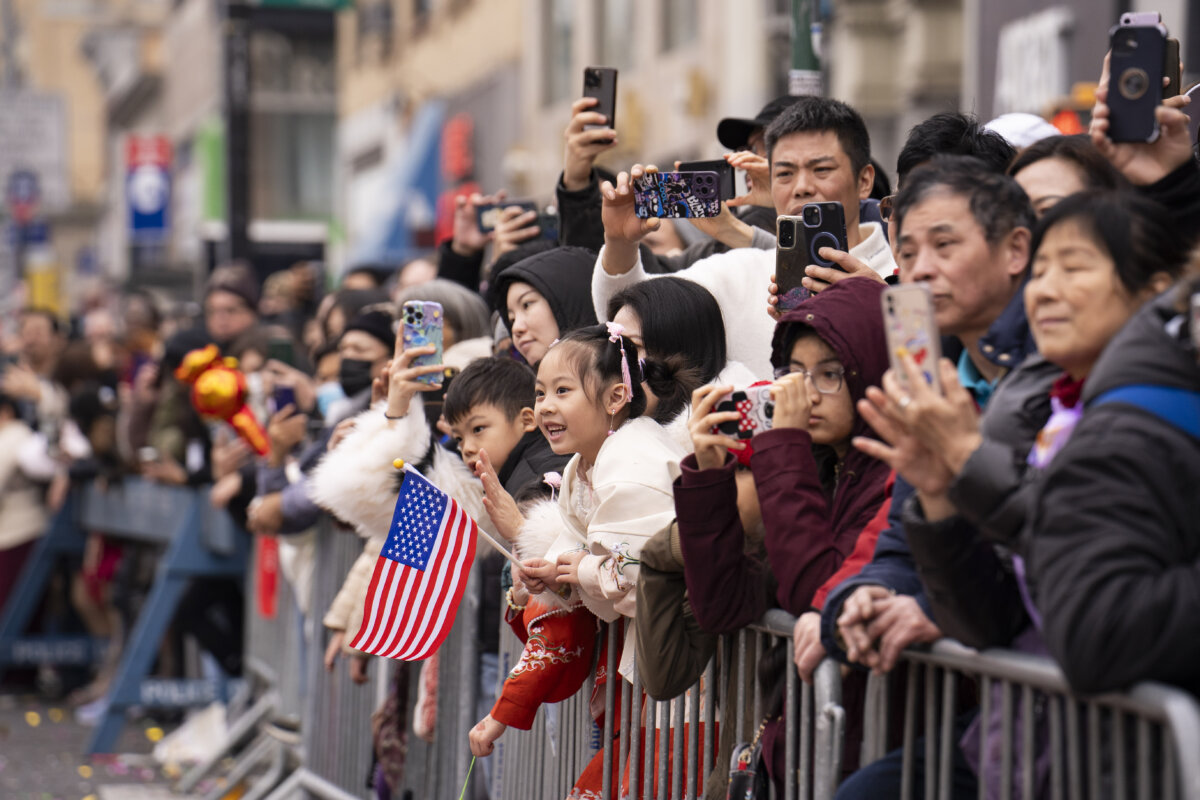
(1133,83)
(591,78)
(812,216)
(787,233)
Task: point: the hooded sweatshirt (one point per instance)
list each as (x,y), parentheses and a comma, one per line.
(563,276)
(814,505)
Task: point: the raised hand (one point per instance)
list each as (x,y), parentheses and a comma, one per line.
(583,147)
(711,448)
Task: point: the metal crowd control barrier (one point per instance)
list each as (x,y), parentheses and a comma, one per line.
(660,751)
(1142,743)
(200,544)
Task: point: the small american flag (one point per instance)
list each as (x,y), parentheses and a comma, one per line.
(420,576)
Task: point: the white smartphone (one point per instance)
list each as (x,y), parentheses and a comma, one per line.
(911,328)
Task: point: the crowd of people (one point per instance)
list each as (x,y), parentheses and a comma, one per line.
(1038,495)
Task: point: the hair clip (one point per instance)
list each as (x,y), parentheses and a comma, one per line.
(615,331)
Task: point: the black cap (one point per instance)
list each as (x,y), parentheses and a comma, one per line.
(734,132)
(377,324)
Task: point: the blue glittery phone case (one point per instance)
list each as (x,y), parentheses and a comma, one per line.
(422,326)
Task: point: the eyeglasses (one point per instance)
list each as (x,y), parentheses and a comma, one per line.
(886,205)
(828,380)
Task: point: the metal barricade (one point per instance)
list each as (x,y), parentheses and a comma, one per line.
(666,749)
(1138,744)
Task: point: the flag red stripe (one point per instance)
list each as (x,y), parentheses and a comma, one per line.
(369,608)
(402,585)
(434,574)
(433,609)
(449,605)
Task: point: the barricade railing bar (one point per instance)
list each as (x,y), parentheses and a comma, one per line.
(1044,740)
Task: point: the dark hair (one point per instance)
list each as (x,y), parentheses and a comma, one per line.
(1097,172)
(10,402)
(679,317)
(953,134)
(997,202)
(506,384)
(818,114)
(883,185)
(1135,231)
(46,314)
(519,253)
(598,363)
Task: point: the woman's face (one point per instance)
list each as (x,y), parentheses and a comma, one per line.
(831,420)
(1049,180)
(628,318)
(533,325)
(1074,300)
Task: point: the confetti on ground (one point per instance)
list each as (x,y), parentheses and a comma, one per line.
(154,734)
(84,771)
(56,715)
(33,719)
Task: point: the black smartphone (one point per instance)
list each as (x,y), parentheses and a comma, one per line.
(488,215)
(725,175)
(824,225)
(283,350)
(283,397)
(1171,69)
(601,83)
(1135,81)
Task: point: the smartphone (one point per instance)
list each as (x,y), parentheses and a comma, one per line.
(282,350)
(823,225)
(725,174)
(1171,68)
(548,223)
(790,261)
(911,327)
(601,83)
(422,326)
(1135,81)
(488,215)
(677,195)
(755,410)
(282,397)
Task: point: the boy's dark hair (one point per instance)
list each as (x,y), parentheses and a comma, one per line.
(953,134)
(598,363)
(997,202)
(1135,231)
(818,114)
(1078,150)
(506,384)
(678,316)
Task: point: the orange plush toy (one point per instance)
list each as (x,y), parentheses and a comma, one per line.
(219,390)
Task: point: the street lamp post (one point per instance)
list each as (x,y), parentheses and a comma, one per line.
(805,74)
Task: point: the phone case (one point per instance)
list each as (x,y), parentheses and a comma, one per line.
(910,327)
(1135,81)
(1171,68)
(423,326)
(487,216)
(601,83)
(790,261)
(824,225)
(677,195)
(725,174)
(756,408)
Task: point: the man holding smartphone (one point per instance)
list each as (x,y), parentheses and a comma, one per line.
(819,151)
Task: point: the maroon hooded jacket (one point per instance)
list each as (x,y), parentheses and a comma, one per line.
(813,505)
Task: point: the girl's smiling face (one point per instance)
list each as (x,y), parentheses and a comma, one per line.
(569,417)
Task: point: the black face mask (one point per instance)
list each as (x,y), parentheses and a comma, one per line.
(354,375)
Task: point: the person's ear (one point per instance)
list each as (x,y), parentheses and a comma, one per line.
(1159,283)
(1016,251)
(615,398)
(528,420)
(866,181)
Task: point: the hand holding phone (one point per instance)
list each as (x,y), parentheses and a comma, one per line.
(798,242)
(755,412)
(1137,65)
(676,195)
(601,83)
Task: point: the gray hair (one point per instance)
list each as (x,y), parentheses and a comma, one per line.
(464,309)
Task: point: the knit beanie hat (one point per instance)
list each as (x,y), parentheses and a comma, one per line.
(377,324)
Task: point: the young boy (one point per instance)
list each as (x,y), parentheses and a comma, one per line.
(489,407)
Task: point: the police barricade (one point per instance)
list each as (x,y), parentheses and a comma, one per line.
(274,662)
(667,749)
(199,544)
(1038,738)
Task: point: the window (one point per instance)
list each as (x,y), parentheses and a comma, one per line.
(680,22)
(558,29)
(615,31)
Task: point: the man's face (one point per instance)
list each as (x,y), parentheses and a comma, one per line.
(226,316)
(38,340)
(971,280)
(361,346)
(811,167)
